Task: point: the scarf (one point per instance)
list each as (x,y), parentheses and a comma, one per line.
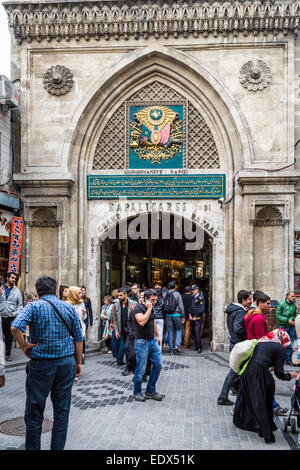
(278,336)
(73,295)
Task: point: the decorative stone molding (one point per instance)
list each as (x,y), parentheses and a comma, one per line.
(58,80)
(255,75)
(44,217)
(85,19)
(269,213)
(268,216)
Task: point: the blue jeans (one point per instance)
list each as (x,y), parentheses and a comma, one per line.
(230,378)
(115,343)
(144,349)
(43,377)
(291,332)
(171,322)
(120,355)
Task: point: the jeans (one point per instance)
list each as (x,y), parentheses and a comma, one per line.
(291,332)
(120,355)
(171,322)
(230,378)
(146,349)
(43,377)
(115,344)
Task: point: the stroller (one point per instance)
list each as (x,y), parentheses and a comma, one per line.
(294,411)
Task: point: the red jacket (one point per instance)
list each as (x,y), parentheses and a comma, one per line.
(255,324)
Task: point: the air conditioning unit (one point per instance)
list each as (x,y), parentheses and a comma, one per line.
(9,96)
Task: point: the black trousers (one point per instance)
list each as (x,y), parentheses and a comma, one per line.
(8,337)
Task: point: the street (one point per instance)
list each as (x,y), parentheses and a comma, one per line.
(104,415)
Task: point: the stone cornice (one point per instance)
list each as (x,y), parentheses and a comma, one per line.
(105,19)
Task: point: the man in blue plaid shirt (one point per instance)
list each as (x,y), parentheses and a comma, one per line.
(55,361)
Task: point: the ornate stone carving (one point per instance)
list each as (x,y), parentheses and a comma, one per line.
(269,216)
(255,75)
(44,217)
(58,80)
(200,152)
(57,20)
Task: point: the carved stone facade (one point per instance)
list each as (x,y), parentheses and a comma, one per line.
(255,75)
(58,80)
(67,20)
(231,65)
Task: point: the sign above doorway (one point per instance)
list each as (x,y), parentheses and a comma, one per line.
(156,187)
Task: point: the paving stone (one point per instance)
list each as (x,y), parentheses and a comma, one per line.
(104,414)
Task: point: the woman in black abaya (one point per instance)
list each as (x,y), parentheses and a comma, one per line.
(253,409)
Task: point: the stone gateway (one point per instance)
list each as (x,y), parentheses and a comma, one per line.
(155,101)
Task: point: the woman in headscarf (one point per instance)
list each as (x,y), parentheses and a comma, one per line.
(75,298)
(253,409)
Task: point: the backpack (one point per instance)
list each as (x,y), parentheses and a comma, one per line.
(170,303)
(241,354)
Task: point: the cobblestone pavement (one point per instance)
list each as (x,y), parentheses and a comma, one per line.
(105,416)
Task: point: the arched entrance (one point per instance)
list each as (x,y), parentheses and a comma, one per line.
(207,102)
(155,248)
(105,269)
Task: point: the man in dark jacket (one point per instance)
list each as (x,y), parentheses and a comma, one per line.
(196,316)
(237,333)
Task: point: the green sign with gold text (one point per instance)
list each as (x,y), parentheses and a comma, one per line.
(156,187)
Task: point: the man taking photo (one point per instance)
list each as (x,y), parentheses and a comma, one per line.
(146,347)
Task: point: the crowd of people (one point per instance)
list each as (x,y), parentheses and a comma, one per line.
(136,324)
(256,404)
(178,318)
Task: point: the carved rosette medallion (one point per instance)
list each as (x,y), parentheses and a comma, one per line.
(255,75)
(58,80)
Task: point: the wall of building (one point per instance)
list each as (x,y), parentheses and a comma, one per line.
(254,131)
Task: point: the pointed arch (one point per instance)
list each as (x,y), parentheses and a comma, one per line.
(181,73)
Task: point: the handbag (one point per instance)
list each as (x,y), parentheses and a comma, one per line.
(106,332)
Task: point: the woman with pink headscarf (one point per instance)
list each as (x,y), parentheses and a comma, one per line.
(253,409)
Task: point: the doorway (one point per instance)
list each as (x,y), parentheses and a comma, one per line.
(156,260)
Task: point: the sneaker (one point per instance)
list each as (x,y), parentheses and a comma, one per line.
(139,397)
(278,411)
(225,401)
(154,395)
(199,350)
(126,372)
(109,352)
(177,350)
(8,358)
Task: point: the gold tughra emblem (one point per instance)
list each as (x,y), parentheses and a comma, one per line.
(156,133)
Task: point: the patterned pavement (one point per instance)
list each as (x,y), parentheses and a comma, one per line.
(104,415)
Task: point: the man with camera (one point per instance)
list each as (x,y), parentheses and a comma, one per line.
(11,304)
(146,347)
